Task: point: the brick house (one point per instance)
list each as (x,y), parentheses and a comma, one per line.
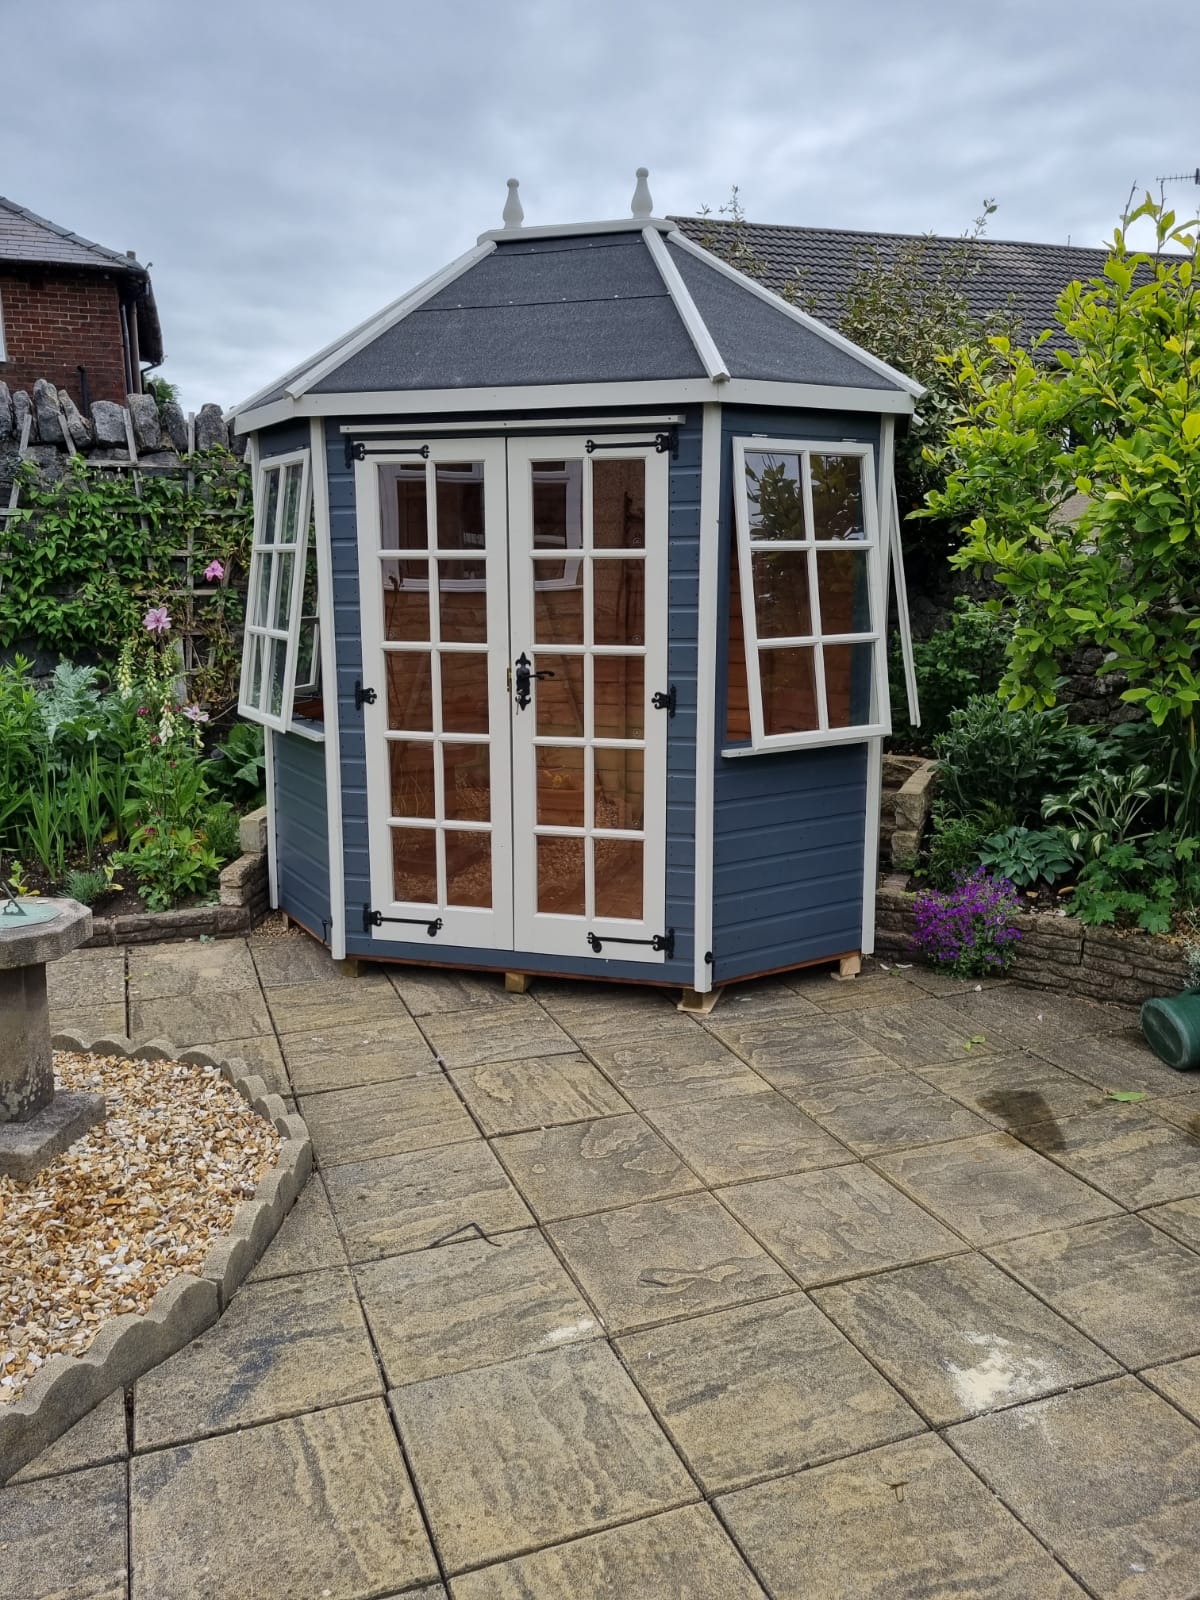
(72,311)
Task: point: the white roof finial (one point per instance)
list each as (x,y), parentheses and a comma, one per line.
(514,211)
(641,204)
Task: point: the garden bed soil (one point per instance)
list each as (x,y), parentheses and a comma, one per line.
(242,901)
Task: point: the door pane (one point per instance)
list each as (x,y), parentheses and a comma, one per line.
(560,876)
(462,601)
(460,505)
(781,599)
(291,504)
(468,869)
(409,691)
(414,864)
(618,866)
(558,701)
(789,690)
(557,505)
(262,597)
(848,673)
(405,600)
(464,692)
(837,497)
(558,602)
(286,564)
(845,595)
(620,788)
(278,671)
(619,602)
(405,522)
(411,768)
(559,785)
(619,689)
(465,770)
(266,526)
(775,495)
(619,505)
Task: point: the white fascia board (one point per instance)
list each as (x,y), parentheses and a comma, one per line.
(689,314)
(573,230)
(814,397)
(821,329)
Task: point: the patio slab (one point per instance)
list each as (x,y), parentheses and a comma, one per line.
(680,1553)
(385,1119)
(470,1305)
(193,967)
(867,992)
(747,1136)
(318,1008)
(187,1018)
(513,1096)
(1180,1383)
(355,1054)
(792,1053)
(764,1389)
(474,1037)
(838,1222)
(1129,1287)
(958,1337)
(1124,1151)
(1031,1017)
(261,1054)
(324,1498)
(307,1241)
(533,1452)
(1013,1091)
(63,1538)
(906,1519)
(670,1258)
(427,992)
(992,1188)
(592,1166)
(1106,1477)
(886,1111)
(1181,1219)
(921,1035)
(85,978)
(101,1437)
(89,1021)
(297,958)
(1118,1060)
(674,1068)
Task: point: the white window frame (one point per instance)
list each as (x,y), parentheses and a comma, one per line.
(265,558)
(748,546)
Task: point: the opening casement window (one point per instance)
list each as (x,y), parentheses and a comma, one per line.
(806,660)
(281,658)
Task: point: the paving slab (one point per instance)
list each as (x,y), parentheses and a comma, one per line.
(764,1389)
(410,1202)
(681,1555)
(358,1053)
(333,1513)
(666,1259)
(1180,1383)
(470,1305)
(298,958)
(88,1021)
(85,978)
(1182,1111)
(261,1055)
(886,1111)
(475,1037)
(907,1519)
(102,1436)
(764,998)
(1031,1017)
(1181,1219)
(190,968)
(1124,1151)
(793,1052)
(593,1166)
(666,1069)
(1120,1060)
(188,1018)
(838,1222)
(533,1452)
(385,1119)
(63,1538)
(282,1347)
(1013,1091)
(958,1337)
(307,1241)
(512,1096)
(922,1034)
(867,992)
(940,984)
(992,1187)
(747,1136)
(317,1008)
(1107,1478)
(1128,1286)
(571,1000)
(429,991)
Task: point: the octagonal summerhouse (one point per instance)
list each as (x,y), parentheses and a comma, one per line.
(567,617)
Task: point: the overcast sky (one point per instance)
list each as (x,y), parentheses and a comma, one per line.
(289,167)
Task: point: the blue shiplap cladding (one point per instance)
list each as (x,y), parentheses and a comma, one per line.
(284,438)
(301,830)
(788,827)
(683,533)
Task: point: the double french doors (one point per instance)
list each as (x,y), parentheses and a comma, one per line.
(513,597)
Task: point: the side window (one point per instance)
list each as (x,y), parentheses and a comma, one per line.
(280,656)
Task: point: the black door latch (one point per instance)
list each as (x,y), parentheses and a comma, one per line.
(523,676)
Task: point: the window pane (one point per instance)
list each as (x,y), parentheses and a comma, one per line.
(411,771)
(409,691)
(293,476)
(262,594)
(468,869)
(405,600)
(414,865)
(781,599)
(467,782)
(266,526)
(620,789)
(460,506)
(462,599)
(618,866)
(557,504)
(848,675)
(558,602)
(837,497)
(789,690)
(619,602)
(558,701)
(619,505)
(845,591)
(286,563)
(464,692)
(620,697)
(775,496)
(559,785)
(402,496)
(560,885)
(737,688)
(252,693)
(278,673)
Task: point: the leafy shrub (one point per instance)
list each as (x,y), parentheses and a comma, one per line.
(963,659)
(1028,856)
(222,831)
(954,847)
(1104,808)
(170,862)
(969,930)
(239,765)
(1139,881)
(87,887)
(991,755)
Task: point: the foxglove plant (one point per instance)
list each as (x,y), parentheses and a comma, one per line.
(970,930)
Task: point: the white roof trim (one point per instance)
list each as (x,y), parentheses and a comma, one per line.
(821,329)
(571,230)
(706,347)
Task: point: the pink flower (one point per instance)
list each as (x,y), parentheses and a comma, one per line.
(143,711)
(157,620)
(194,714)
(214,571)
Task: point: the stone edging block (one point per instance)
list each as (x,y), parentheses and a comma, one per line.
(66,1388)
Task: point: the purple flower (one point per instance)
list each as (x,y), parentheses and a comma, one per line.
(969,930)
(194,714)
(214,571)
(157,620)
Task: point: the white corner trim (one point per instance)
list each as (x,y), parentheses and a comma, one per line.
(329,687)
(871,842)
(708,600)
(574,230)
(269,737)
(813,324)
(689,313)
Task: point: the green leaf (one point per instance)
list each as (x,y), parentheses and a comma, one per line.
(1125,1096)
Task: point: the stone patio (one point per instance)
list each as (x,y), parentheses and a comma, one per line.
(849,1291)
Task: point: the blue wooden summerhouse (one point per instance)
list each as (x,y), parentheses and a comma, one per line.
(567,617)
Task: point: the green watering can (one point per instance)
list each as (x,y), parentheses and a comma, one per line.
(1172,1029)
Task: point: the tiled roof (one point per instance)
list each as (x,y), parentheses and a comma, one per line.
(1025,278)
(26,237)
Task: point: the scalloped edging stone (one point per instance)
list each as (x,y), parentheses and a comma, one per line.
(66,1388)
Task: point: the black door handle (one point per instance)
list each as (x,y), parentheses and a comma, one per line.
(523,677)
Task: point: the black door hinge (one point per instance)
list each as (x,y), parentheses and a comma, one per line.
(356,450)
(664,700)
(363,697)
(376,919)
(660,941)
(662,442)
